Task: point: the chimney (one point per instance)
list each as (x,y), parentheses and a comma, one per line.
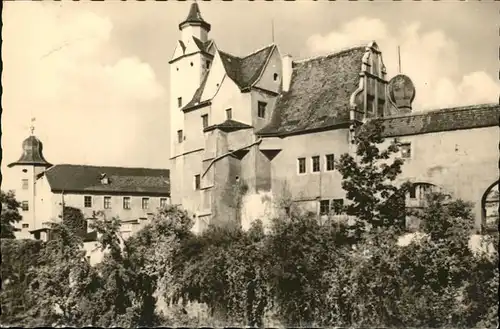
(287,72)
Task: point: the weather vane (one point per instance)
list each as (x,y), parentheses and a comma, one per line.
(32,127)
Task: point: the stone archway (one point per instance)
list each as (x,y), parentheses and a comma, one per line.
(416,200)
(489,207)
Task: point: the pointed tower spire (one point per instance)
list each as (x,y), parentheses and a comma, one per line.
(194,18)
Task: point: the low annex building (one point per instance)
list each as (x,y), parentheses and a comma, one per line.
(131,194)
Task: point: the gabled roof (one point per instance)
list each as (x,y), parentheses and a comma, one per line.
(245,71)
(203,46)
(465,117)
(228,126)
(319,93)
(82,178)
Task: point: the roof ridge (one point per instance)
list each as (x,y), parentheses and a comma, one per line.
(103,166)
(329,55)
(447,109)
(259,50)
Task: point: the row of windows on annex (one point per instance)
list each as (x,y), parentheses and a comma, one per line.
(316,164)
(261,113)
(126,202)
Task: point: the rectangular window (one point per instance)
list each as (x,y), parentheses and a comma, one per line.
(145,203)
(315,164)
(380,109)
(25,206)
(338,205)
(179,101)
(197,182)
(107,202)
(261,109)
(370,104)
(87,201)
(204,119)
(25,184)
(330,162)
(229,114)
(26,225)
(302,165)
(324,207)
(208,64)
(126,202)
(413,192)
(406,150)
(163,202)
(180,136)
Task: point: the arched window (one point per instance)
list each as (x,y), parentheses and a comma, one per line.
(417,195)
(489,207)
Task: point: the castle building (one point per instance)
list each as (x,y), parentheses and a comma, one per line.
(247,131)
(131,194)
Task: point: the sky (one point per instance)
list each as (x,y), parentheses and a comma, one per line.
(95,74)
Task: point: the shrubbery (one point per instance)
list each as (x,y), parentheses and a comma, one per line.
(300,273)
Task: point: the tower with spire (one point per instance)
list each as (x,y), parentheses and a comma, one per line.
(31,164)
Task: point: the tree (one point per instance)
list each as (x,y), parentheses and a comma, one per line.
(375,200)
(62,280)
(18,258)
(74,220)
(10,214)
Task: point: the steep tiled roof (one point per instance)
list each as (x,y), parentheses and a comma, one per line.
(245,71)
(319,93)
(81,178)
(228,125)
(466,117)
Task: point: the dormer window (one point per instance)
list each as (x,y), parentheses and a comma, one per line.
(104,179)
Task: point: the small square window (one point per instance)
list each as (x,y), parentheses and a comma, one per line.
(25,184)
(107,202)
(25,206)
(145,203)
(229,114)
(87,201)
(301,162)
(180,136)
(261,109)
(26,225)
(330,162)
(179,101)
(315,164)
(406,150)
(324,207)
(126,202)
(204,119)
